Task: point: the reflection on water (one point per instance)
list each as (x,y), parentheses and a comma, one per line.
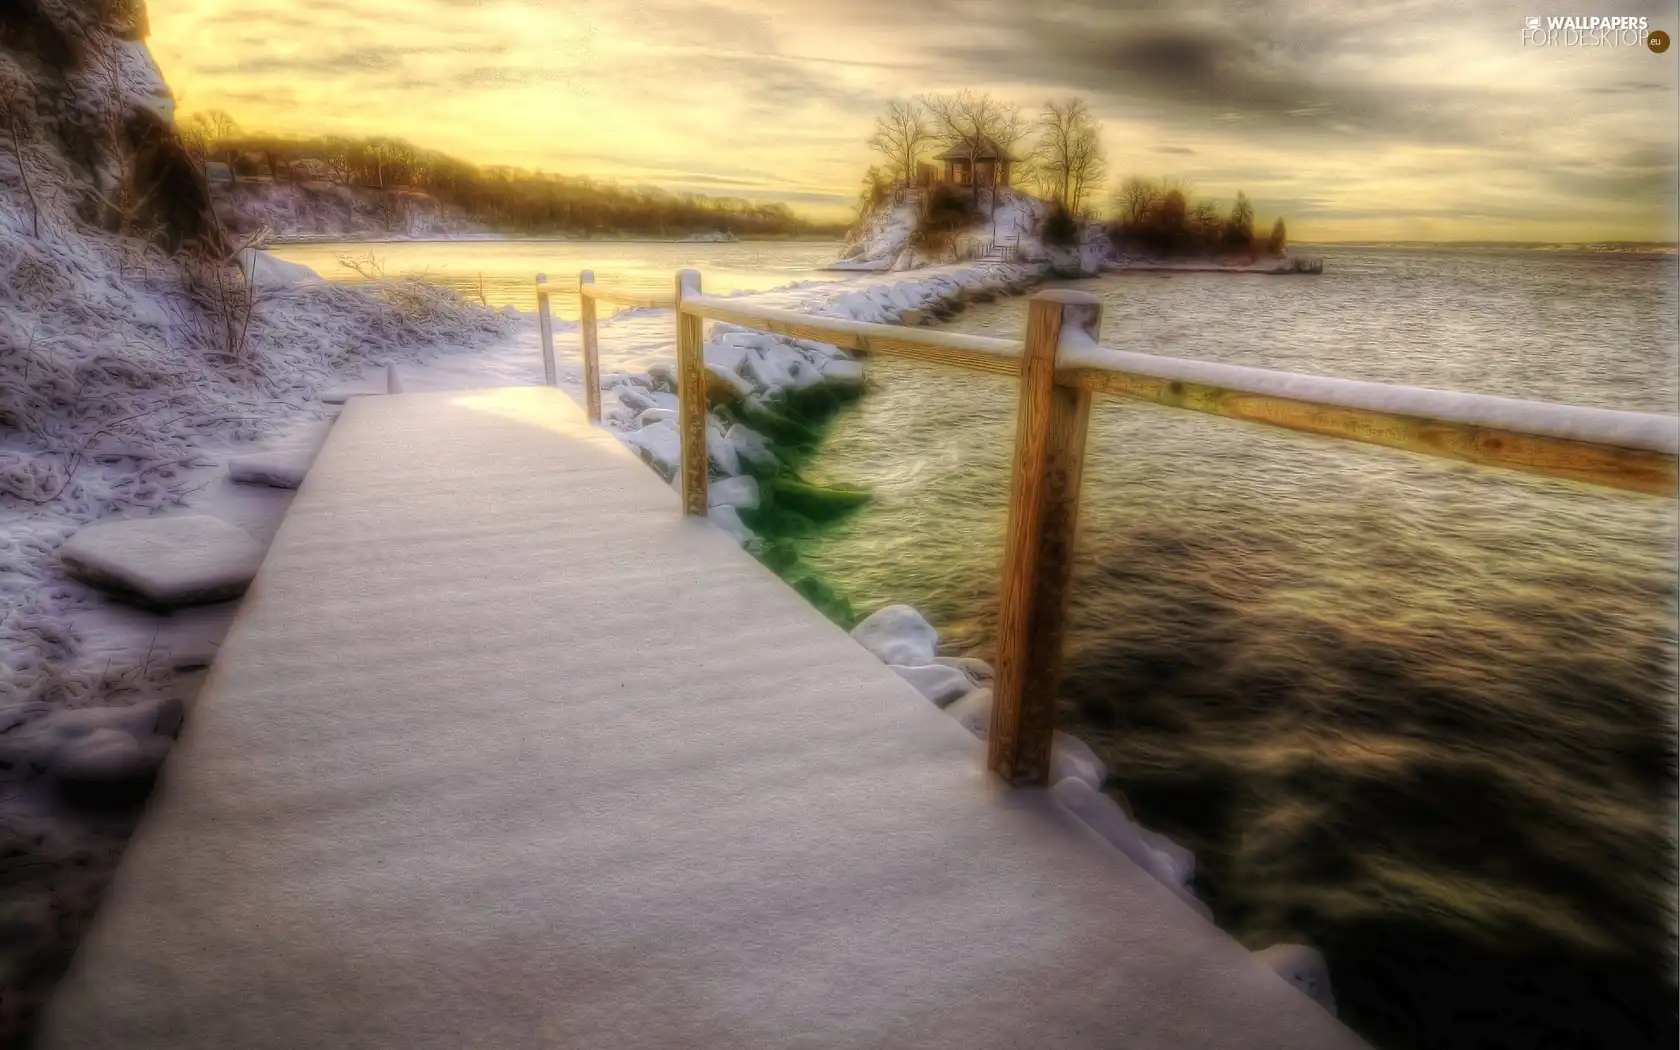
(1416,713)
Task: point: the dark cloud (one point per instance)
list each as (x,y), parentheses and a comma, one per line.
(1185,150)
(1237,70)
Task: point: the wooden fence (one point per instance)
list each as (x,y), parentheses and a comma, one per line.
(1059,367)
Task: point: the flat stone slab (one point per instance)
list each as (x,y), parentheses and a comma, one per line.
(164,563)
(280,469)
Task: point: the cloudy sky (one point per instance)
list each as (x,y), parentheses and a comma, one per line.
(1404,119)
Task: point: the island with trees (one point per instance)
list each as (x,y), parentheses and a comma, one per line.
(967,175)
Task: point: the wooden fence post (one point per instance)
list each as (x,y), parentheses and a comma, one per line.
(591,349)
(1038,546)
(691,398)
(545,321)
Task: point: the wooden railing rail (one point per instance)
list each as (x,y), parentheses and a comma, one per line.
(588,295)
(1060,366)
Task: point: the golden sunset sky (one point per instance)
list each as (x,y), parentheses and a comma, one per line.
(1411,119)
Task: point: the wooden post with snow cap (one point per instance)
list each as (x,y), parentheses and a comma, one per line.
(691,397)
(591,348)
(545,322)
(1038,545)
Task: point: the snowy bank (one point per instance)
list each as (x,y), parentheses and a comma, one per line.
(881,241)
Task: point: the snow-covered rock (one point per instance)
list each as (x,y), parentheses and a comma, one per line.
(978,671)
(753,448)
(107,767)
(729,520)
(656,415)
(1070,757)
(165,562)
(1302,967)
(1109,822)
(843,373)
(973,711)
(721,452)
(269,273)
(659,445)
(739,492)
(727,385)
(1073,757)
(280,469)
(939,684)
(898,634)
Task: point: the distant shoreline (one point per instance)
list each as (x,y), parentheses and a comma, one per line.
(279,242)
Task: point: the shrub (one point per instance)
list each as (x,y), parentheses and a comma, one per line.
(948,211)
(1061,228)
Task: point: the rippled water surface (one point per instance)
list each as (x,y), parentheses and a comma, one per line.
(1418,714)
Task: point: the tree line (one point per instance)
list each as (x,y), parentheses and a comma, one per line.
(1162,217)
(499,196)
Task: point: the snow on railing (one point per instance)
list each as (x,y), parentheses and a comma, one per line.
(1059,366)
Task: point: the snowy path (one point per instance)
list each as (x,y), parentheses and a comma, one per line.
(501,750)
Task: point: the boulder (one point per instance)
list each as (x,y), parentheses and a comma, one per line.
(1302,967)
(659,446)
(663,377)
(912,316)
(844,374)
(727,519)
(738,492)
(721,453)
(939,684)
(973,711)
(636,400)
(108,768)
(656,415)
(280,469)
(978,671)
(165,563)
(725,388)
(1104,817)
(898,634)
(753,448)
(726,355)
(1073,757)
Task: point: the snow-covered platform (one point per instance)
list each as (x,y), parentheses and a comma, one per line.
(502,751)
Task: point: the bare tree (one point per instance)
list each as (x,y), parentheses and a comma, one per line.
(210,133)
(900,135)
(1135,198)
(1089,168)
(1069,153)
(965,122)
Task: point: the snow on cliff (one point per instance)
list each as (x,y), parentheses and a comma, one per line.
(334,211)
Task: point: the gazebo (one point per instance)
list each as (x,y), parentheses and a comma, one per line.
(964,164)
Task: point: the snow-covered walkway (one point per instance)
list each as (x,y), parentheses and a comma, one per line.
(501,751)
